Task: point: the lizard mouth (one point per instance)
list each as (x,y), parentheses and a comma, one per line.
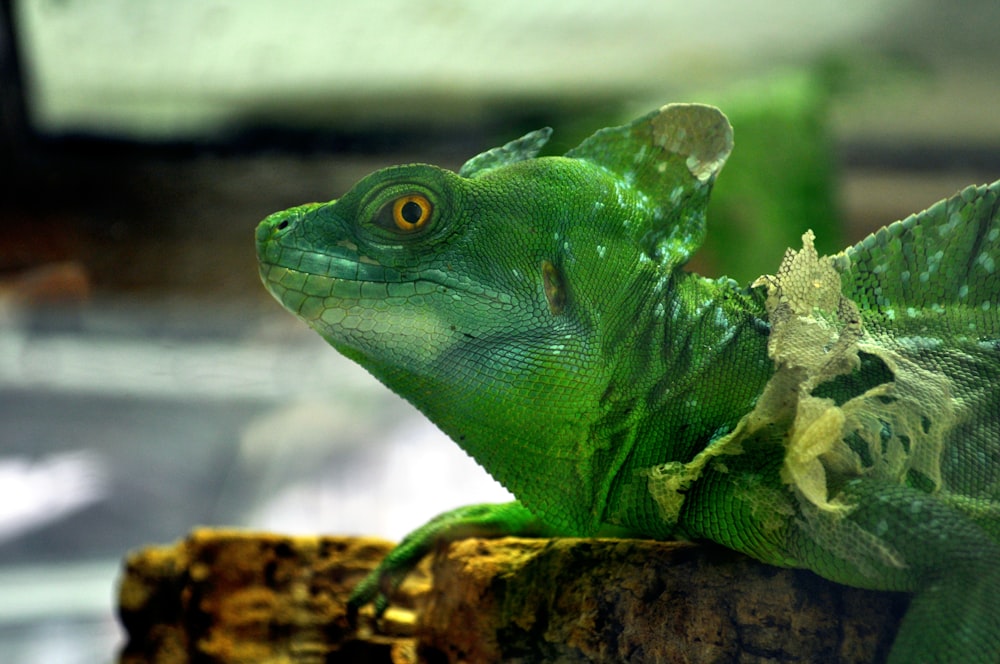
(308,283)
(313,295)
(332,287)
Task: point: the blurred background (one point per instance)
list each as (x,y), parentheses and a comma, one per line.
(148,384)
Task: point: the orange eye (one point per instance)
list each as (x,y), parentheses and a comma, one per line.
(411,212)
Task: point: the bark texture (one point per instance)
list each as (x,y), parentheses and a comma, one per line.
(227,597)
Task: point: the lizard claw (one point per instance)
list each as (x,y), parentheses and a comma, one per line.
(485,520)
(376,588)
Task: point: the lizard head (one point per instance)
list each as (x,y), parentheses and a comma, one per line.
(412,262)
(493,298)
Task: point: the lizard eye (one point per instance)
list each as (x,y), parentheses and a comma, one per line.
(409,213)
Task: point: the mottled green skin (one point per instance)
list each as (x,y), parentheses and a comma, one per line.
(541,319)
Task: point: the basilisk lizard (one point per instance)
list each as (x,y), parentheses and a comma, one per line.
(842,415)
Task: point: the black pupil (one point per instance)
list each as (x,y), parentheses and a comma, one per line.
(411,212)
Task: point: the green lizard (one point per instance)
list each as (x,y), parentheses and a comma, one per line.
(842,415)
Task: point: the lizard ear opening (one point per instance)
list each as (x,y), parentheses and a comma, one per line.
(555,292)
(526,147)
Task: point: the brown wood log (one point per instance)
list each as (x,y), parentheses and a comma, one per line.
(227,596)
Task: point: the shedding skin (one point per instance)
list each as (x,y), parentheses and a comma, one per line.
(841,415)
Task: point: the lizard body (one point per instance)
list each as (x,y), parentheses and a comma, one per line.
(842,415)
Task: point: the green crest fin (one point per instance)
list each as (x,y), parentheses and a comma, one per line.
(672,157)
(937,271)
(519,149)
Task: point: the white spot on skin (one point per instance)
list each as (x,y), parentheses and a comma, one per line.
(675,309)
(720,319)
(601,249)
(619,194)
(963,291)
(933,263)
(659,310)
(986,261)
(697,168)
(699,310)
(919,343)
(954,220)
(993,235)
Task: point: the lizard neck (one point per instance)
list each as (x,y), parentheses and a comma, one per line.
(559,417)
(698,362)
(712,361)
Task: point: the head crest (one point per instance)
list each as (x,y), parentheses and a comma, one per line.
(672,156)
(526,147)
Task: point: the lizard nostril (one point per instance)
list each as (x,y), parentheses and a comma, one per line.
(282,225)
